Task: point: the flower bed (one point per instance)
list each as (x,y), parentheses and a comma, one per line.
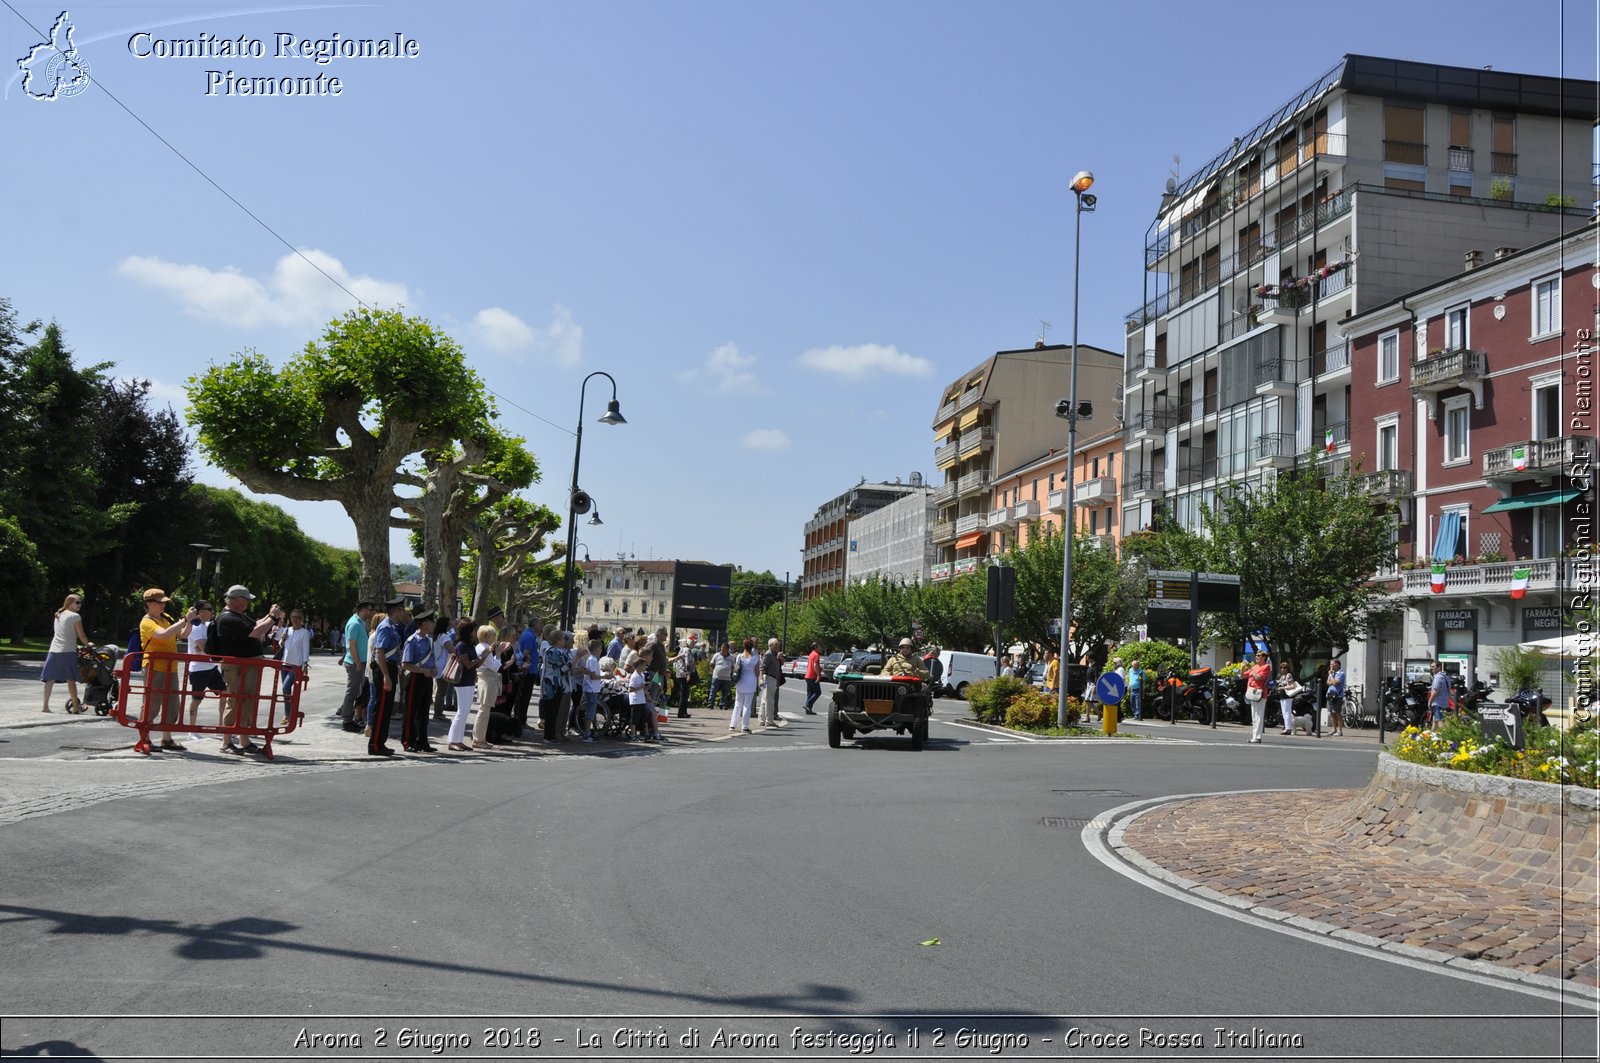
(1552,755)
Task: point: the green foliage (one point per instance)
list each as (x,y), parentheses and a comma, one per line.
(268,553)
(952,613)
(1157,658)
(1500,188)
(1107,598)
(1555,199)
(1030,710)
(1519,669)
(756,590)
(22,576)
(988,699)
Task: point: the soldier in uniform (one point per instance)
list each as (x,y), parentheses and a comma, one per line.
(903,661)
(417,668)
(385,650)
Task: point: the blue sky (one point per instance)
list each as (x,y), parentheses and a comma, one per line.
(782,227)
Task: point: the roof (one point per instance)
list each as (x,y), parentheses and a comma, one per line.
(979,374)
(1369,75)
(636,564)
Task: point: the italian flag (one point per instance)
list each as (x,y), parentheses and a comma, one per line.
(1327,440)
(1519,458)
(1438,577)
(1519,580)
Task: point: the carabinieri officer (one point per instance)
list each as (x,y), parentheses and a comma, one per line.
(416,666)
(385,650)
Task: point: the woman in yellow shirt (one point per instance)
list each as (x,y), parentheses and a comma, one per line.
(1052,673)
(163,684)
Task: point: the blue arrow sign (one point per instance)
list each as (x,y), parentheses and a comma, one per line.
(1111,688)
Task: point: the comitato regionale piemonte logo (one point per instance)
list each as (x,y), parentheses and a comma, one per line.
(53,69)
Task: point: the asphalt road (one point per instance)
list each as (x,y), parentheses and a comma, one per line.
(754,880)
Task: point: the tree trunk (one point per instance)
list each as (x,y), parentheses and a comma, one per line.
(369,512)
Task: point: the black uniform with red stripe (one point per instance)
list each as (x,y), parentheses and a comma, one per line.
(416,664)
(385,645)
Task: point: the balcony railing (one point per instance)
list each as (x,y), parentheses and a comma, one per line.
(974,439)
(1100,490)
(1496,578)
(1385,483)
(1332,436)
(1273,447)
(1026,510)
(1235,327)
(1503,162)
(1335,206)
(1001,518)
(1150,483)
(969,398)
(1540,458)
(1058,501)
(946,455)
(944,531)
(1461,158)
(1334,283)
(1153,420)
(1194,470)
(1331,359)
(940,572)
(944,492)
(1447,369)
(1145,362)
(947,411)
(1404,151)
(971,522)
(972,481)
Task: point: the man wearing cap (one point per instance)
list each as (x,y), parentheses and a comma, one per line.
(416,665)
(353,709)
(238,639)
(903,661)
(385,651)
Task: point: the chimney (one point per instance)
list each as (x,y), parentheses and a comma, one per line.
(1038,344)
(1502,252)
(1473,258)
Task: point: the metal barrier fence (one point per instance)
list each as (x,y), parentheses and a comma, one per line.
(155,698)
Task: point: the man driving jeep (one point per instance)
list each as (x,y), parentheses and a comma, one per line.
(904,662)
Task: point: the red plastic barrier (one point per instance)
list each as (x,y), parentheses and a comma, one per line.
(254,706)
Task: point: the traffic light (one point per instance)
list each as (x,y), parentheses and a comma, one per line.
(1002,591)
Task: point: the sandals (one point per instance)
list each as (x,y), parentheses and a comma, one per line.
(167,743)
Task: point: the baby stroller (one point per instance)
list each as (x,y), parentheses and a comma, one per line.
(97,671)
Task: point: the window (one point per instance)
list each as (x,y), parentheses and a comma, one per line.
(1503,143)
(1094,522)
(1547,531)
(1036,489)
(1455,329)
(588,605)
(1547,410)
(627,584)
(1388,456)
(1389,357)
(1457,419)
(1462,191)
(1460,136)
(661,608)
(1546,306)
(608,583)
(607,606)
(1465,514)
(1403,138)
(1052,482)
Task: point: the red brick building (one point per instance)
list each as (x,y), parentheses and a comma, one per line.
(1473,404)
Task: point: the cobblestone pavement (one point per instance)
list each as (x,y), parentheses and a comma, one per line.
(1291,852)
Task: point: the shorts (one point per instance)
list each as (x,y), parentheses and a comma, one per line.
(206,679)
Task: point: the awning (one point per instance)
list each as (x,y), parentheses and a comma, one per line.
(1533,501)
(969,418)
(970,539)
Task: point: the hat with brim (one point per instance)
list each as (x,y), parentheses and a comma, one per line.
(238,590)
(906,644)
(395,603)
(424,616)
(156,594)
(495,614)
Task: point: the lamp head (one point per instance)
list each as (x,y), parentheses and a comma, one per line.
(1082,181)
(613,414)
(594,518)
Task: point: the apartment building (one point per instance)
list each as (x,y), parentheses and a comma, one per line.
(1373,181)
(1032,499)
(1477,413)
(1000,415)
(893,542)
(824,556)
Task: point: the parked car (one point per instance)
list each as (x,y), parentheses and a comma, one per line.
(858,663)
(1036,675)
(795,667)
(830,663)
(842,669)
(963,669)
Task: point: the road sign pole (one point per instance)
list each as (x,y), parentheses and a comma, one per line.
(1194,620)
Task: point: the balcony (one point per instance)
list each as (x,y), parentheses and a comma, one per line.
(976,439)
(968,399)
(1461,159)
(1335,206)
(972,522)
(1337,282)
(1503,163)
(972,482)
(1001,518)
(1147,367)
(1332,438)
(1058,501)
(1194,469)
(1148,424)
(1144,486)
(1283,305)
(947,411)
(1100,491)
(1447,370)
(1275,450)
(1101,541)
(1389,484)
(944,531)
(1238,325)
(1275,376)
(1334,359)
(1405,152)
(945,492)
(940,572)
(1537,459)
(1494,580)
(945,456)
(1028,510)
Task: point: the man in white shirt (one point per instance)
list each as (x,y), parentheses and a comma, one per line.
(296,642)
(203,675)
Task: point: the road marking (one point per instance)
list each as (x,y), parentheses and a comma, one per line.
(1093,838)
(1009,738)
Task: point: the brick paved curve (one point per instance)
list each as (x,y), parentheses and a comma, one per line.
(1476,878)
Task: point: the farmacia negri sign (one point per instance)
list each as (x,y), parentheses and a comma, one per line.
(321,51)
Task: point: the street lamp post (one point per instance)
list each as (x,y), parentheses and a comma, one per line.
(1082,181)
(216,572)
(613,415)
(199,568)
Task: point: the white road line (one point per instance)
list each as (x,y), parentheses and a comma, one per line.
(1114,820)
(1006,739)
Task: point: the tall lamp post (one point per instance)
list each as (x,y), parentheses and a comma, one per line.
(1082,181)
(216,572)
(199,568)
(577,501)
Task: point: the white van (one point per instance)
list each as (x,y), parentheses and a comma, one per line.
(961,669)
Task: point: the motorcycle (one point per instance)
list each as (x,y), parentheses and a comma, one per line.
(1531,704)
(1235,705)
(1186,693)
(1404,704)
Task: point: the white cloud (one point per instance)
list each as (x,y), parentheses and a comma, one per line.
(865,358)
(727,372)
(765,439)
(561,341)
(501,330)
(296,295)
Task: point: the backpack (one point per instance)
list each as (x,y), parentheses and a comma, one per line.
(136,651)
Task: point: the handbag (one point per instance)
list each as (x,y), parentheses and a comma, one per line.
(452,669)
(1254,694)
(782,680)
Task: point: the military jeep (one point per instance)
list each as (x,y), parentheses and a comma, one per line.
(867,703)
